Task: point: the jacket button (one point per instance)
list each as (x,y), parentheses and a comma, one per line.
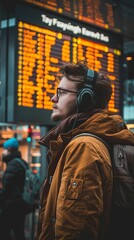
(74,184)
(53,219)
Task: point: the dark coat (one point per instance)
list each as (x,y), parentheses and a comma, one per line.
(13,179)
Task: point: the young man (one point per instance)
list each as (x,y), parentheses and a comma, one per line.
(76,197)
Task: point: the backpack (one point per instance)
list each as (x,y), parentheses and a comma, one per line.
(123,173)
(122,159)
(31,185)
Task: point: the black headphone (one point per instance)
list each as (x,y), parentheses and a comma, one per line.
(86,98)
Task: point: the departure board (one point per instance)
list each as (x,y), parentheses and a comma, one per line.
(39,43)
(102,13)
(40,53)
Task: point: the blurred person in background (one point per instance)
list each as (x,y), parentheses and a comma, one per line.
(13,207)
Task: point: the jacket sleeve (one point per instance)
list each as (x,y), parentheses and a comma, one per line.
(85,178)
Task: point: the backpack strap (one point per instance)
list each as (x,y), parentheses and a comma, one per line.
(95,136)
(21,163)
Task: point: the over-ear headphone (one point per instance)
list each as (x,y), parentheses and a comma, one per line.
(86,98)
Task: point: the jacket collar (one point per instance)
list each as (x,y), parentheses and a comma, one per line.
(64,130)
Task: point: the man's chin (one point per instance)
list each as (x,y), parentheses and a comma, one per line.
(55,117)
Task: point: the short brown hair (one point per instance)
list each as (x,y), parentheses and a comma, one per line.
(102,87)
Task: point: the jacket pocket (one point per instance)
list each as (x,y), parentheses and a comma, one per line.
(74,189)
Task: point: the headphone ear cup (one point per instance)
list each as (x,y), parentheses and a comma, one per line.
(85,99)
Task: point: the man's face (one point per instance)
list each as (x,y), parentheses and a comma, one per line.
(64,101)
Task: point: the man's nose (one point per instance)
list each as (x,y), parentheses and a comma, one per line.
(54,98)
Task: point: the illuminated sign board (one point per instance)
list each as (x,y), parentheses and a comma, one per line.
(43,44)
(102,13)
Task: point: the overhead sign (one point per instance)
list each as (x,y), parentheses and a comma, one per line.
(38,44)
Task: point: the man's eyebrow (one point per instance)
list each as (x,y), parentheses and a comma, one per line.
(66,90)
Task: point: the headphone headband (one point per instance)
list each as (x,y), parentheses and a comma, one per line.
(91,77)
